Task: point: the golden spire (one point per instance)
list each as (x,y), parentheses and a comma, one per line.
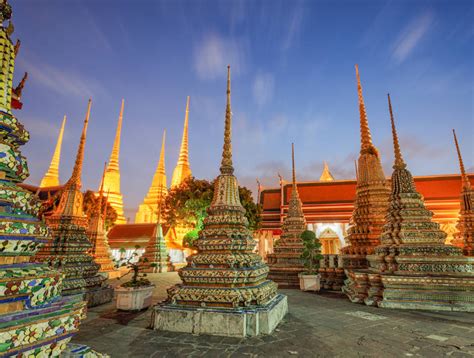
(51,178)
(77,171)
(399,163)
(114,156)
(366,139)
(326,174)
(147,209)
(226,163)
(465,180)
(182,169)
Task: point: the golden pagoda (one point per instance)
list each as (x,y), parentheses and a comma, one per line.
(35,319)
(225,290)
(412,268)
(182,169)
(158,190)
(285,262)
(370,208)
(112,174)
(51,178)
(69,251)
(326,175)
(465,237)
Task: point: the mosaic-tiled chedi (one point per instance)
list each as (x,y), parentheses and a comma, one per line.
(225,279)
(465,236)
(417,270)
(34,319)
(370,208)
(68,251)
(97,234)
(285,263)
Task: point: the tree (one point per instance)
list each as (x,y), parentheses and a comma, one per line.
(311,252)
(187,204)
(90,205)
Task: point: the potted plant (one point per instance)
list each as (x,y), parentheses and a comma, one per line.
(135,294)
(310,279)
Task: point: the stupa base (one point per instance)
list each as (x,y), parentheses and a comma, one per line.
(285,277)
(428,293)
(99,296)
(356,285)
(241,322)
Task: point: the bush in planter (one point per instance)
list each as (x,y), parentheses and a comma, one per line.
(138,279)
(311,253)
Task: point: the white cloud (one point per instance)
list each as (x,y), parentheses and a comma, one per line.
(294,27)
(263,87)
(60,81)
(214,53)
(411,36)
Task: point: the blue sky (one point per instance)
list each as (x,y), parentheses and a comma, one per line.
(293,79)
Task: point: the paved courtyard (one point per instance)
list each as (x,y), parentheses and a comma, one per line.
(318,325)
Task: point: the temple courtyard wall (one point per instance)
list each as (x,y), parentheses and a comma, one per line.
(324,325)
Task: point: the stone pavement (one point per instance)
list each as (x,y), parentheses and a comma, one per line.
(318,325)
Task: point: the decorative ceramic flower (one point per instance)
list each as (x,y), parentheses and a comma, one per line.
(12,287)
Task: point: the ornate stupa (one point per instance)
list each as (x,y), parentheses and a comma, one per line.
(225,290)
(69,248)
(285,263)
(417,270)
(112,175)
(156,256)
(370,208)
(158,190)
(465,236)
(326,175)
(100,249)
(51,178)
(182,169)
(35,320)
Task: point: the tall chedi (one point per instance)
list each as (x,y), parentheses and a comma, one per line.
(97,234)
(35,320)
(51,178)
(158,190)
(68,252)
(112,175)
(465,237)
(285,262)
(370,208)
(225,290)
(182,171)
(417,270)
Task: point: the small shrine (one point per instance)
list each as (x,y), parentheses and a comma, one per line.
(225,290)
(285,262)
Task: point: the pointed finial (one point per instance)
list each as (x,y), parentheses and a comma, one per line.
(182,169)
(114,156)
(465,180)
(51,178)
(399,163)
(17,91)
(356,170)
(104,215)
(17,47)
(101,189)
(366,139)
(226,163)
(293,172)
(77,171)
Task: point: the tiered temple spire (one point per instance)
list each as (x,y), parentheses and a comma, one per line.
(69,250)
(30,293)
(370,208)
(112,175)
(225,275)
(326,175)
(158,190)
(51,178)
(182,170)
(97,232)
(285,263)
(465,237)
(412,268)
